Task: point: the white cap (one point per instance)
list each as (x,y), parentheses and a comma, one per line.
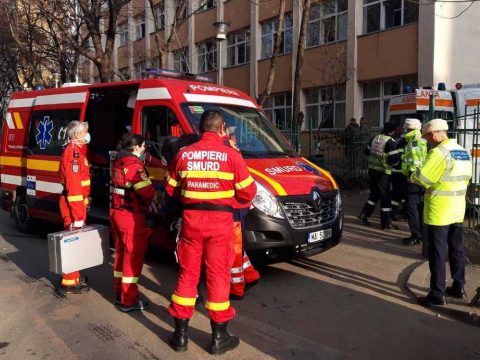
(434,125)
(412,124)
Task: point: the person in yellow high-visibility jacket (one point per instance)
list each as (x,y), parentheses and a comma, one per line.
(445,176)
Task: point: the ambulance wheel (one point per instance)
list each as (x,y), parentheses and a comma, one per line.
(21,215)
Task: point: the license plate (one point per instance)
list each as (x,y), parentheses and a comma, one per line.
(319,235)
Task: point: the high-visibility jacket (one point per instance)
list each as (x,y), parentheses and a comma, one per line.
(401,143)
(383,152)
(131,189)
(74,174)
(445,175)
(415,152)
(210,173)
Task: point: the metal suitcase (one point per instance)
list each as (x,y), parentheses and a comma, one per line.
(80,249)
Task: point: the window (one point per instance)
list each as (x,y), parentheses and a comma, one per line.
(325,107)
(160,17)
(158,122)
(385,14)
(180,60)
(207,56)
(268,36)
(376,96)
(124,73)
(238,47)
(123,33)
(207,4)
(139,69)
(278,107)
(183,15)
(140,27)
(328,22)
(48,130)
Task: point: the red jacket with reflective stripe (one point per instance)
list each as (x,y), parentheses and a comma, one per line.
(210,172)
(75,177)
(133,190)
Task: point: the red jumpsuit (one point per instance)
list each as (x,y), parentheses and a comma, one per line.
(75,177)
(208,176)
(132,193)
(242,270)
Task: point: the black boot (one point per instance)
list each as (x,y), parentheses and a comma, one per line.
(179,338)
(222,341)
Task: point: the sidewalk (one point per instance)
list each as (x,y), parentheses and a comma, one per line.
(418,285)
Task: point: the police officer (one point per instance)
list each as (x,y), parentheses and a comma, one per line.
(399,182)
(74,174)
(445,176)
(208,176)
(132,193)
(413,159)
(382,153)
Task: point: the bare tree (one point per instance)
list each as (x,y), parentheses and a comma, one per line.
(297,87)
(276,50)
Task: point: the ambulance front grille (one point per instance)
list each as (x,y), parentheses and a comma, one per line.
(303,214)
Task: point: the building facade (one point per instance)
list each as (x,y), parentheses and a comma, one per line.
(358,53)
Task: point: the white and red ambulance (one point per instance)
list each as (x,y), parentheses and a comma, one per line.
(297,209)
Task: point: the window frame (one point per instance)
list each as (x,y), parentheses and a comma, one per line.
(382,16)
(270,107)
(320,104)
(320,21)
(182,63)
(287,33)
(206,5)
(140,27)
(203,52)
(159,13)
(236,45)
(139,67)
(122,31)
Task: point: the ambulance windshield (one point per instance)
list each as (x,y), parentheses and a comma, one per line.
(253,133)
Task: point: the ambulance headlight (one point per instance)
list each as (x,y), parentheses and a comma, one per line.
(266,202)
(338,200)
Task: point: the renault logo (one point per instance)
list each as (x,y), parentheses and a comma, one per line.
(317,201)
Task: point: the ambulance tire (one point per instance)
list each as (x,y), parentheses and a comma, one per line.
(24,223)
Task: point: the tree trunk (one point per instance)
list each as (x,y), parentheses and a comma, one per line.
(276,50)
(297,87)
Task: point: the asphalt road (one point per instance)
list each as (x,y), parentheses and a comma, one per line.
(350,302)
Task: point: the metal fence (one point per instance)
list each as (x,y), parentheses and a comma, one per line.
(339,151)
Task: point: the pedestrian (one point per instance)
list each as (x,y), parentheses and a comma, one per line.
(412,159)
(74,174)
(132,193)
(208,176)
(445,176)
(399,182)
(382,153)
(364,124)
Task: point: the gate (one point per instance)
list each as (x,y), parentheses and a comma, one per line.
(466,129)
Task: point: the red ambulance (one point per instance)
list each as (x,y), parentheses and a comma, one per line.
(297,209)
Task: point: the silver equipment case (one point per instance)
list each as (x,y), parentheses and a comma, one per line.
(80,249)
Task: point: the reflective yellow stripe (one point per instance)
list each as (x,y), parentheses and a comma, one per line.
(45,165)
(278,188)
(431,192)
(85,183)
(172,182)
(324,172)
(141,184)
(117,274)
(18,120)
(130,280)
(183,300)
(75,198)
(69,282)
(206,175)
(243,184)
(208,194)
(217,306)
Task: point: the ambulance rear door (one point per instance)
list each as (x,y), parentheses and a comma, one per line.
(47,136)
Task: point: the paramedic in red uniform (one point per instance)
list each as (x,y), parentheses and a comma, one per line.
(209,177)
(75,177)
(132,193)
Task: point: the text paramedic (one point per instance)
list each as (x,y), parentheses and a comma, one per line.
(208,160)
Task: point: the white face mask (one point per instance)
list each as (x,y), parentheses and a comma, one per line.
(88,138)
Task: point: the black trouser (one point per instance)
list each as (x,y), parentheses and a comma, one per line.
(439,237)
(379,190)
(399,189)
(414,210)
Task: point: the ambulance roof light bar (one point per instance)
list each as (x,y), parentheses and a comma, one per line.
(155,73)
